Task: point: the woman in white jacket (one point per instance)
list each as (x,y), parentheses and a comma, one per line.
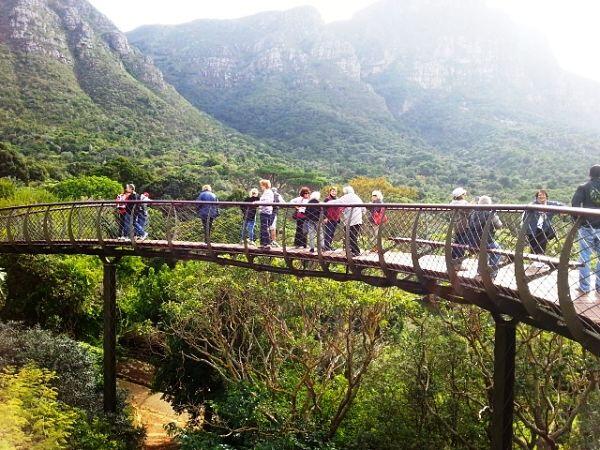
(353,217)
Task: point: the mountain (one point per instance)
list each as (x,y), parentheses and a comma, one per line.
(282,77)
(75,93)
(433,93)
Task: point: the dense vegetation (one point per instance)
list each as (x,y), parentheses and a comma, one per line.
(263,361)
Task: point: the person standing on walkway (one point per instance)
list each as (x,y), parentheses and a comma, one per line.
(121,212)
(207,212)
(353,217)
(266,213)
(277,198)
(143,215)
(376,217)
(313,214)
(477,220)
(131,211)
(300,216)
(461,225)
(332,219)
(538,224)
(587,195)
(249,216)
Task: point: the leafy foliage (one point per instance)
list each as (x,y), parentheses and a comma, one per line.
(87,187)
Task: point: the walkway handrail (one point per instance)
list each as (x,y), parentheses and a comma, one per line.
(457,252)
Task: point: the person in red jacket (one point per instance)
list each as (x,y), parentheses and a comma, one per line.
(332,219)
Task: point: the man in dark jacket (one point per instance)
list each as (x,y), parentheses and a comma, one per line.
(131,212)
(207,212)
(249,216)
(588,196)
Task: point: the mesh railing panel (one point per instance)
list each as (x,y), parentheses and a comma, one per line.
(375,240)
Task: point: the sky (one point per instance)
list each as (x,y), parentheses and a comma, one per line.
(571,26)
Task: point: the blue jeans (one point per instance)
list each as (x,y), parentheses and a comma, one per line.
(142,221)
(493,258)
(248,230)
(265,222)
(138,230)
(330,227)
(589,239)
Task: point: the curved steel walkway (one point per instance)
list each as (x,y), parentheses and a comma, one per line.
(416,248)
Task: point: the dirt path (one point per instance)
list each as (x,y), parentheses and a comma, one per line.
(149,409)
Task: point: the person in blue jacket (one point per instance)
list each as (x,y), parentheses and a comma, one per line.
(207,212)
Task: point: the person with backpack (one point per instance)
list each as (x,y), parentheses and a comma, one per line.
(207,212)
(300,216)
(461,225)
(277,198)
(332,219)
(311,223)
(376,216)
(474,236)
(249,216)
(538,225)
(587,195)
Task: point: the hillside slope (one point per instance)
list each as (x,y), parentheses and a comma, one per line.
(74,93)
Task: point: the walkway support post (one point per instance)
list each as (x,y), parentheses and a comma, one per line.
(110,335)
(504,383)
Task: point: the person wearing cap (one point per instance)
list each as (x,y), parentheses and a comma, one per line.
(587,195)
(461,224)
(474,234)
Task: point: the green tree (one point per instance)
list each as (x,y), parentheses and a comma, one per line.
(87,187)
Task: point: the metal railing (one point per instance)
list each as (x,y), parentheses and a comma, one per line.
(494,256)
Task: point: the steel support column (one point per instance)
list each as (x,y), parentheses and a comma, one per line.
(504,383)
(110,335)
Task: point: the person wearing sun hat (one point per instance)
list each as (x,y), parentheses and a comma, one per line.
(461,223)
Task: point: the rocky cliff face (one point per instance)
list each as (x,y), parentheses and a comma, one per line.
(70,30)
(226,53)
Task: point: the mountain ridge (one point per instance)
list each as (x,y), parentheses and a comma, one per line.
(412,89)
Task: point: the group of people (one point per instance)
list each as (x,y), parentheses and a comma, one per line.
(309,213)
(132,215)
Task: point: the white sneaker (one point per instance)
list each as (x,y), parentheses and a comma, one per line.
(144,236)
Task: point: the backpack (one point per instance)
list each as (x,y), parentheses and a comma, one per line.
(277,198)
(477,221)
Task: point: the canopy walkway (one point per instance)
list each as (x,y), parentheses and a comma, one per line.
(417,247)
